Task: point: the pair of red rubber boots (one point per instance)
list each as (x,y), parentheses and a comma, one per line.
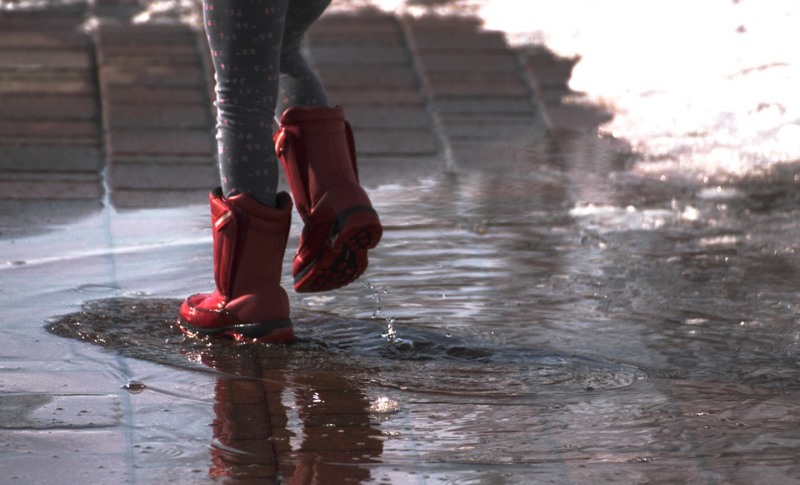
(317,151)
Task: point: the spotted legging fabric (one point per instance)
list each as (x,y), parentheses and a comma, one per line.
(259,72)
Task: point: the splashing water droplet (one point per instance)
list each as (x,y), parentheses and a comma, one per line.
(384,405)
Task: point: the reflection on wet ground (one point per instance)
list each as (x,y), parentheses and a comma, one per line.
(568,314)
(550,309)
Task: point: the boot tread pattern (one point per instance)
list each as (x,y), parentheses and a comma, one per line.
(344,258)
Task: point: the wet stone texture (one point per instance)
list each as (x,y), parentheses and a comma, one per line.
(40,411)
(50,141)
(157,114)
(545,307)
(306,410)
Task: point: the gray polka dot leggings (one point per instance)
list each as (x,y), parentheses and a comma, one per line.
(259,70)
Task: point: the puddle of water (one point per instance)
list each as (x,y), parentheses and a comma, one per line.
(572,319)
(506,320)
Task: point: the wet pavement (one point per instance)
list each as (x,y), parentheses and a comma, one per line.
(546,306)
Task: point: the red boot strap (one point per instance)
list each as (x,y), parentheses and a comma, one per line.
(225,222)
(290,152)
(351,143)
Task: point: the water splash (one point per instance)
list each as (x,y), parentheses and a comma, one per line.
(391,336)
(384,405)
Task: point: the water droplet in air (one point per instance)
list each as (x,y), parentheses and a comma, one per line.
(384,405)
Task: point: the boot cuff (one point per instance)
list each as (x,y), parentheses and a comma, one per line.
(255,209)
(305,114)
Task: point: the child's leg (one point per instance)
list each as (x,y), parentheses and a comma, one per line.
(245,40)
(299,85)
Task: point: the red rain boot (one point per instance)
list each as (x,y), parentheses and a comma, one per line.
(249,244)
(316,147)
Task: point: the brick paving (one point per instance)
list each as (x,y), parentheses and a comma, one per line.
(50,143)
(122,113)
(127,108)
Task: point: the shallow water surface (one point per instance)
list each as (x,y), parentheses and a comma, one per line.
(542,323)
(578,314)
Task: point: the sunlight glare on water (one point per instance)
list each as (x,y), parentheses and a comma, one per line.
(709,87)
(563,318)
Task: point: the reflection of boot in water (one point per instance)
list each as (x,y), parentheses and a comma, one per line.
(316,147)
(338,433)
(249,244)
(257,433)
(243,445)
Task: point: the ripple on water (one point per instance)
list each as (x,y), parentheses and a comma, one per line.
(422,362)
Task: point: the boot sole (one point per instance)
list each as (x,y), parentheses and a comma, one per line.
(275,331)
(344,256)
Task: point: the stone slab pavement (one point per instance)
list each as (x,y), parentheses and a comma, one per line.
(98,111)
(109,111)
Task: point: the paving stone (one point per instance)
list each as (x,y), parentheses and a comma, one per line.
(50,185)
(76,130)
(22,86)
(375,97)
(39,39)
(457,61)
(396,142)
(68,19)
(112,52)
(183,176)
(52,75)
(367,54)
(437,40)
(84,382)
(134,95)
(552,94)
(141,199)
(391,37)
(164,141)
(155,35)
(37,141)
(477,107)
(45,59)
(54,190)
(378,170)
(454,25)
(488,128)
(57,456)
(473,77)
(577,117)
(151,61)
(193,159)
(152,76)
(511,88)
(48,106)
(42,411)
(387,77)
(180,116)
(50,213)
(487,156)
(115,9)
(373,23)
(376,117)
(59,159)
